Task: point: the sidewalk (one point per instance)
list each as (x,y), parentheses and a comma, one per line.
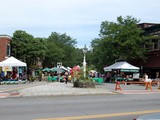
(61,89)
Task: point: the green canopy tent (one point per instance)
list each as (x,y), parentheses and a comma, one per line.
(46,70)
(55,69)
(122,66)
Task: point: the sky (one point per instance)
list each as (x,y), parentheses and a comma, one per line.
(79,19)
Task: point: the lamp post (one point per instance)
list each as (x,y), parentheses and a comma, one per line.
(84,61)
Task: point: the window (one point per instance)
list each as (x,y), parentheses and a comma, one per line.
(154,46)
(8,51)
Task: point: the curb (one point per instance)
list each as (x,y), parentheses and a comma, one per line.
(138,92)
(14,94)
(4,95)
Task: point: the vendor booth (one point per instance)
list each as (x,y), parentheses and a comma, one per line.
(119,68)
(10,65)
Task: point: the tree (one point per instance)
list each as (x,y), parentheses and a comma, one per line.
(119,40)
(27,48)
(60,48)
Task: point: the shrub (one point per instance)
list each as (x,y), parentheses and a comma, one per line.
(84,83)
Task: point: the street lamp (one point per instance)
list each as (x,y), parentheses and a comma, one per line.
(84,60)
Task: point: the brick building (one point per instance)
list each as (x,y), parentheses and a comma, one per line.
(5,48)
(152,63)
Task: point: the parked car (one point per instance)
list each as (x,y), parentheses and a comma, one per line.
(155,116)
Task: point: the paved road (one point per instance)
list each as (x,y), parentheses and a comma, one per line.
(109,104)
(87,107)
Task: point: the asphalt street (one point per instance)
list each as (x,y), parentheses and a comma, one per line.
(86,107)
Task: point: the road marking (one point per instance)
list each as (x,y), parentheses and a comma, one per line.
(102,115)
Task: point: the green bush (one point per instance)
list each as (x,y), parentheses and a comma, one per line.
(84,83)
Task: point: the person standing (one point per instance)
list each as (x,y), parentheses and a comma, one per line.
(2,75)
(108,75)
(14,73)
(66,77)
(40,75)
(20,73)
(147,81)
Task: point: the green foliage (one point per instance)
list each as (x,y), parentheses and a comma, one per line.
(122,39)
(118,40)
(60,48)
(87,83)
(28,48)
(56,48)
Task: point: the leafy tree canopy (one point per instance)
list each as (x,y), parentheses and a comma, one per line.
(122,39)
(27,48)
(61,48)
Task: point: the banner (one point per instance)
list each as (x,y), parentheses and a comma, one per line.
(7,68)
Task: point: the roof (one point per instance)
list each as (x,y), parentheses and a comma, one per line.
(146,25)
(5,36)
(12,62)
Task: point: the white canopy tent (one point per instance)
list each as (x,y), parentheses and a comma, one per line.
(122,66)
(64,68)
(12,62)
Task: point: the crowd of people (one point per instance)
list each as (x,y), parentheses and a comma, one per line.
(65,75)
(116,75)
(14,74)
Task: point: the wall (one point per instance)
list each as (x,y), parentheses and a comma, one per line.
(4,41)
